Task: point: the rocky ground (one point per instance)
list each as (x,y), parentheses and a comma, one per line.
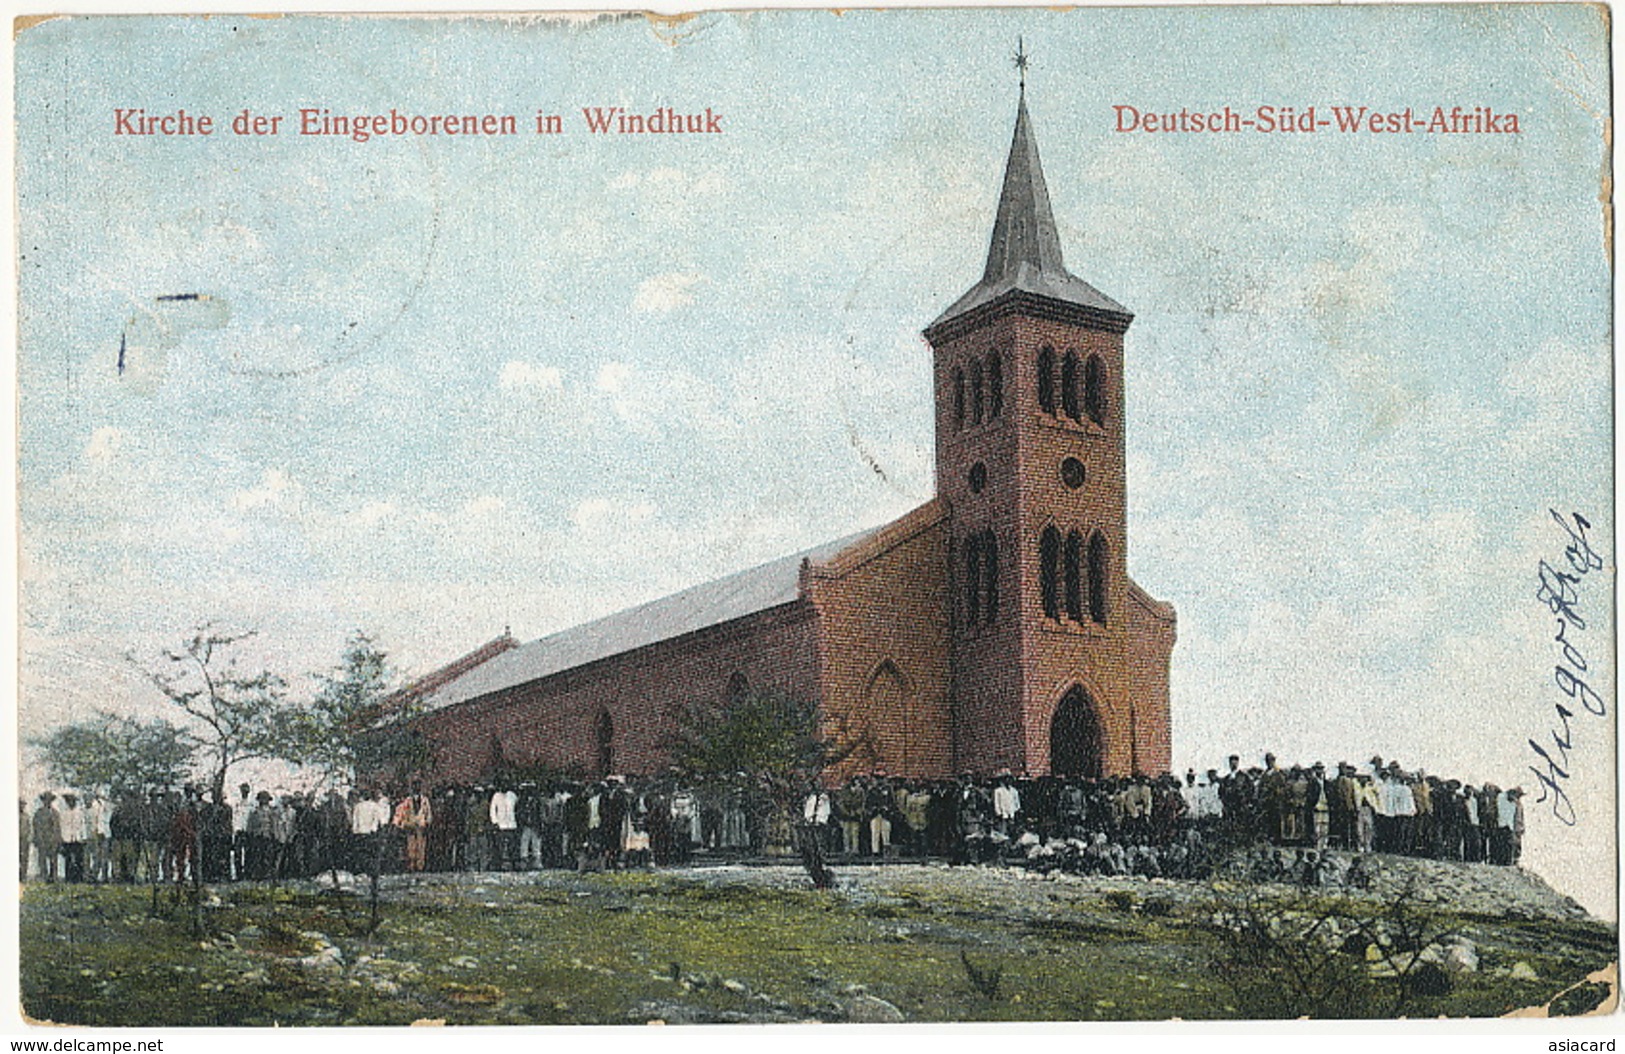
(892,942)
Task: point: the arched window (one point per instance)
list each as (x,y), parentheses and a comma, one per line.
(1049,565)
(1095,397)
(973,580)
(1069,386)
(990,575)
(1046,380)
(995,385)
(738,688)
(1073,575)
(959,398)
(605,734)
(1097,577)
(976,392)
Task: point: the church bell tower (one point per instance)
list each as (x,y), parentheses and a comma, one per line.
(1060,662)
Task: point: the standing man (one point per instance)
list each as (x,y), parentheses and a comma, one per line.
(1345,807)
(183,839)
(815,814)
(240,810)
(504,809)
(47,832)
(1511,815)
(73,838)
(849,802)
(125,828)
(1006,805)
(413,816)
(367,820)
(879,805)
(155,836)
(22,839)
(1404,822)
(261,857)
(215,822)
(98,838)
(527,812)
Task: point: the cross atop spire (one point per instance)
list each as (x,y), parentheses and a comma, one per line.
(1024,254)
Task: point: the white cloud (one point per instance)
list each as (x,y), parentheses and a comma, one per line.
(612,377)
(667,292)
(273,487)
(530,377)
(371,514)
(598,514)
(104,444)
(484,507)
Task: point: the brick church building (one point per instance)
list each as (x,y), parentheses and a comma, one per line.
(994,627)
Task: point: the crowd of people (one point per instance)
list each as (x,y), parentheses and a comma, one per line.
(1159,826)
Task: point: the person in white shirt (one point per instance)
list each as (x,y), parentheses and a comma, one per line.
(1404,806)
(1472,846)
(240,810)
(369,814)
(367,817)
(815,809)
(504,804)
(1006,804)
(1385,805)
(99,838)
(1187,791)
(1507,839)
(73,838)
(1209,807)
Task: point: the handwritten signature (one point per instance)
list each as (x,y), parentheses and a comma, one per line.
(1560,592)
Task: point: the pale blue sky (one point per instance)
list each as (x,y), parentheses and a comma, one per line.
(443,386)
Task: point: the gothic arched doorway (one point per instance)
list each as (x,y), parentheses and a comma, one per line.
(1075,742)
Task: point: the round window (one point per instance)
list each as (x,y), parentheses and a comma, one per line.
(1072,473)
(978,477)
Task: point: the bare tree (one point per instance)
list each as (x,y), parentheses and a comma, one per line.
(236,715)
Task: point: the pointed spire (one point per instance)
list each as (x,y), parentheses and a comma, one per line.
(1024,228)
(1025,269)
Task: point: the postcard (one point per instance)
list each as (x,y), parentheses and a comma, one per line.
(770,517)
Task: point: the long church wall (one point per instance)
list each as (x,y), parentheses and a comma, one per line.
(555,721)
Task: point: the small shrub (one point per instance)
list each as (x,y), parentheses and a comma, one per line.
(1429,979)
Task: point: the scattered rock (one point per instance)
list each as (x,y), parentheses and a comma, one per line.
(1461,957)
(872,1010)
(1522,971)
(328,959)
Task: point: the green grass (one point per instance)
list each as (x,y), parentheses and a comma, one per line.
(623,948)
